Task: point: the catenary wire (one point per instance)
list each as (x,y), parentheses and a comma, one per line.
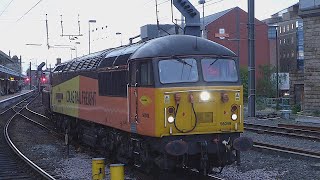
(29,10)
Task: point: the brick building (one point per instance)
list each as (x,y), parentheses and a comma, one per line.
(310,12)
(233,24)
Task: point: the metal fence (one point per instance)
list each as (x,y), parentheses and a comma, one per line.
(283,103)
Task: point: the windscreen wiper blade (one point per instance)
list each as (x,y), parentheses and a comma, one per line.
(183,61)
(213,63)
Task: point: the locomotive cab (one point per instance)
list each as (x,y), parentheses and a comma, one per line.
(192,95)
(193,102)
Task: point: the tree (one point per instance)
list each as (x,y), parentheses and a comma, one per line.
(244,75)
(266,85)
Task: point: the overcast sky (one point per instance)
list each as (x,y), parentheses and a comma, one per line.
(23,22)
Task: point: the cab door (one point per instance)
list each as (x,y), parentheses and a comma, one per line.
(141,97)
(133,96)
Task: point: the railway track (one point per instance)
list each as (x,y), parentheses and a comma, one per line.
(13,163)
(293,126)
(288,150)
(292,131)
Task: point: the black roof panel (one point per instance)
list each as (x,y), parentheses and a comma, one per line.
(180,45)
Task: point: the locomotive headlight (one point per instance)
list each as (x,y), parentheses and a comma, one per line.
(170,119)
(204,96)
(234,117)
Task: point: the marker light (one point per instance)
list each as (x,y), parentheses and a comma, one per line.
(234,117)
(204,96)
(170,119)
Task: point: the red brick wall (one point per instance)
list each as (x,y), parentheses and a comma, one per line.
(228,22)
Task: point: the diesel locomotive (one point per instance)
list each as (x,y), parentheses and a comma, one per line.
(174,101)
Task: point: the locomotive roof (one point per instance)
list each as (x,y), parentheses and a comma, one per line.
(179,45)
(173,45)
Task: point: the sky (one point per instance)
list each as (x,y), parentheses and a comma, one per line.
(23,22)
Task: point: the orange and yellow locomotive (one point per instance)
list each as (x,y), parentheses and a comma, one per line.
(171,101)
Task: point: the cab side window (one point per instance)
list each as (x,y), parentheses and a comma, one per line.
(145,74)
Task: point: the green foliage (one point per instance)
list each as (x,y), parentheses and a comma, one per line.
(267,81)
(296,108)
(244,75)
(266,86)
(260,103)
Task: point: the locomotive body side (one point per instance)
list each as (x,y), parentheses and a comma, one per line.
(79,97)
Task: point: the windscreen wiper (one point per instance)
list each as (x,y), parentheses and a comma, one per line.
(213,62)
(182,61)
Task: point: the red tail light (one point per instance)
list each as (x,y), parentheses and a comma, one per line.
(234,108)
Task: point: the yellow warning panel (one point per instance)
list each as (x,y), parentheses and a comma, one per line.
(66,96)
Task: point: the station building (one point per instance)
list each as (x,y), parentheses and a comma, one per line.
(10,78)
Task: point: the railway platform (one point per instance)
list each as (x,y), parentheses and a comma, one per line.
(4,100)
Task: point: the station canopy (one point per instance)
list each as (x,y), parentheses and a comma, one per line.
(7,72)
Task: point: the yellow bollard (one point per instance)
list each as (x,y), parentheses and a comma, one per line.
(117,171)
(98,169)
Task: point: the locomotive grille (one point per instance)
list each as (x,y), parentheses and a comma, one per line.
(205,117)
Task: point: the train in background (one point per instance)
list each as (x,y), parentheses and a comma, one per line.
(174,101)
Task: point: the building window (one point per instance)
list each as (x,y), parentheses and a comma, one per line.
(292,53)
(292,26)
(284,41)
(300,54)
(279,30)
(279,41)
(292,40)
(284,29)
(288,27)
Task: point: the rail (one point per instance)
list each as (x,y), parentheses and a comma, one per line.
(19,153)
(288,150)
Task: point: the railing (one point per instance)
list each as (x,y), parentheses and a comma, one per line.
(283,103)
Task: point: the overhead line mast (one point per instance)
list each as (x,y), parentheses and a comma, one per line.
(251,63)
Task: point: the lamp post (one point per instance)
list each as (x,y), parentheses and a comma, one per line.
(119,33)
(203,27)
(90,21)
(273,34)
(277,61)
